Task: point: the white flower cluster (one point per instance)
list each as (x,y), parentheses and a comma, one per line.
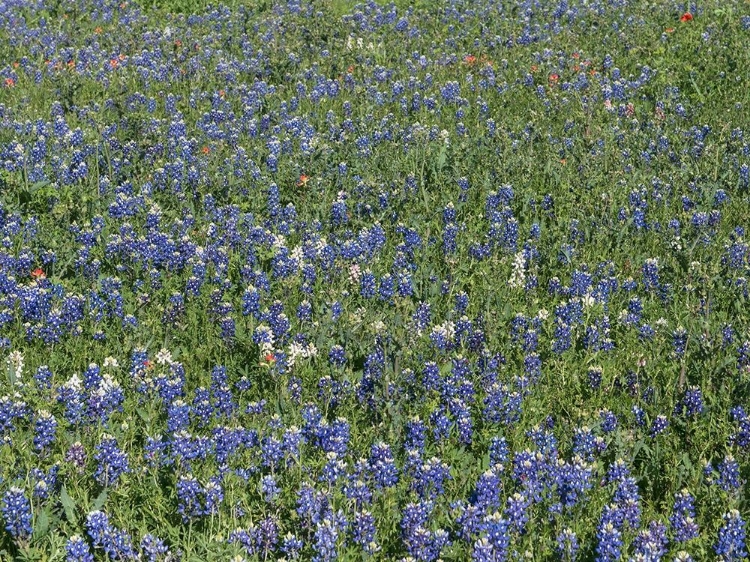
(300,351)
(518,276)
(164,357)
(15,364)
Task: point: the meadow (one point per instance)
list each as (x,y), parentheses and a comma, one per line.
(311,280)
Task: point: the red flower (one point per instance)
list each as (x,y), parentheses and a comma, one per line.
(302,181)
(269,358)
(687,16)
(38,273)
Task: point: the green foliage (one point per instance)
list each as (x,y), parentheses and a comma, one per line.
(593,160)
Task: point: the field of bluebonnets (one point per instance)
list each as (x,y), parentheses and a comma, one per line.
(317,281)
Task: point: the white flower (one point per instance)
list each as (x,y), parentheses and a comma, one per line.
(518,276)
(297,254)
(164,357)
(354,274)
(74,383)
(111,362)
(15,362)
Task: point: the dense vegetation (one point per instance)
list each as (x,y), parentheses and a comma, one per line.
(463,280)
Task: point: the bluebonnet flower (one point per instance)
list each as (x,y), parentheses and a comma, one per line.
(16,511)
(178,416)
(70,395)
(567,545)
(45,483)
(573,480)
(640,415)
(627,502)
(516,512)
(608,421)
(586,445)
(326,537)
(494,544)
(658,426)
(153,548)
(416,434)
(382,466)
(76,455)
(729,474)
(112,462)
(312,505)
(487,491)
(651,543)
(189,493)
(333,469)
(679,341)
(116,543)
(43,377)
(499,450)
(682,521)
(430,477)
(731,546)
(77,550)
(291,546)
(202,410)
(609,537)
(337,356)
(651,274)
(367,284)
(291,443)
(691,404)
(742,436)
(45,428)
(363,528)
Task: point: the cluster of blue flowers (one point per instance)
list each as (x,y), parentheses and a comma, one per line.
(405,284)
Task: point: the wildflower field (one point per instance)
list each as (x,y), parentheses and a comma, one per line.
(309,280)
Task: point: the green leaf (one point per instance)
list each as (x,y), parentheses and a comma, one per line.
(442,157)
(39,185)
(100,500)
(68,505)
(41,524)
(144,415)
(11,375)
